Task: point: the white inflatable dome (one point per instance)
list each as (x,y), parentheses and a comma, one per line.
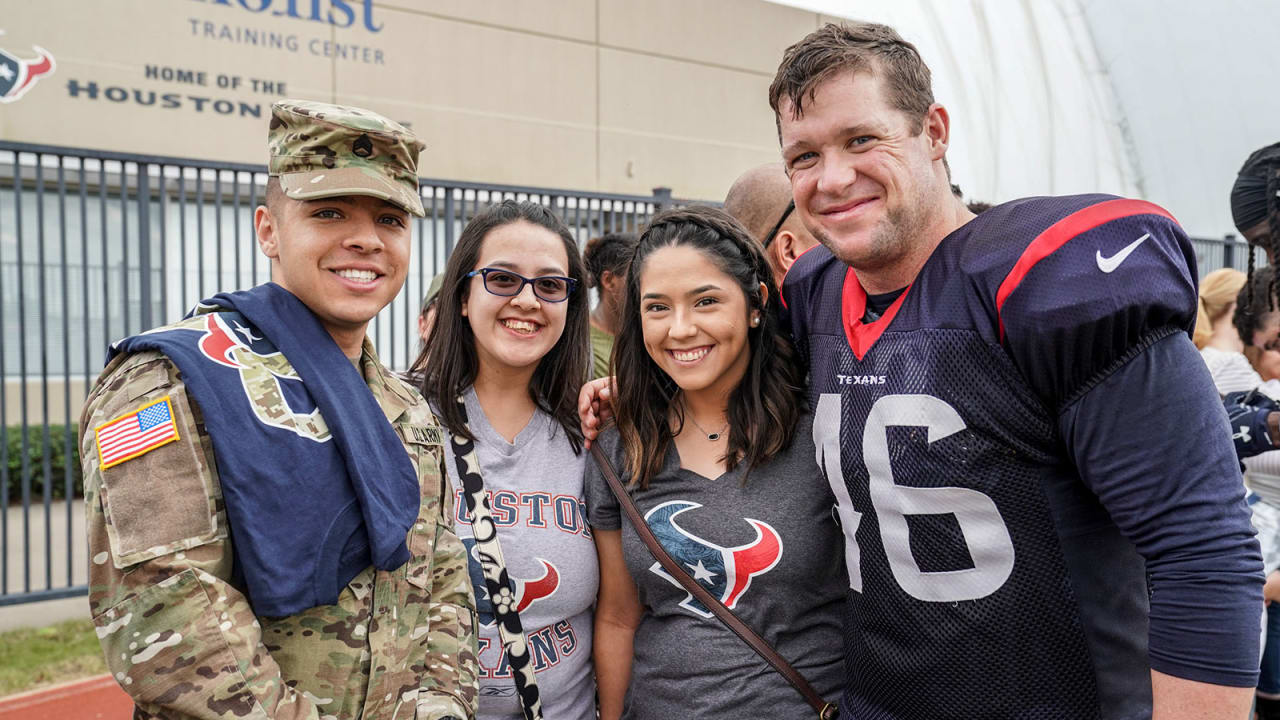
(1161,101)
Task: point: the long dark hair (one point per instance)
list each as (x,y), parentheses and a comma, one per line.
(763,409)
(1252,303)
(448,364)
(1258,183)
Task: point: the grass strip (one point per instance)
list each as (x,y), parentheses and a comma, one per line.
(35,657)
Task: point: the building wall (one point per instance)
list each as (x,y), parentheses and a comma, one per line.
(606,95)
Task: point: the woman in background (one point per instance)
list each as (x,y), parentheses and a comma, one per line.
(607,258)
(1216,335)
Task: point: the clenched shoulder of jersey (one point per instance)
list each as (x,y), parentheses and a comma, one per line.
(1090,288)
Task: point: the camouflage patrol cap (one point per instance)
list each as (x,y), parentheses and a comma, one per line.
(320,150)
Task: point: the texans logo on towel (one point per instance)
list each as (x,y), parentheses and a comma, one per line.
(725,572)
(527,591)
(17,76)
(276,394)
(272,385)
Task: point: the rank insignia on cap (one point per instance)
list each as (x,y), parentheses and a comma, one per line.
(137,433)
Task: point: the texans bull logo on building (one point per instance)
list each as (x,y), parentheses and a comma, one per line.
(725,572)
(17,76)
(527,591)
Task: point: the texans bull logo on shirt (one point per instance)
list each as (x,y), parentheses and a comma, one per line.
(725,572)
(527,591)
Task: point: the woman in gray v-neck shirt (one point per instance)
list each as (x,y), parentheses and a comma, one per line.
(716,447)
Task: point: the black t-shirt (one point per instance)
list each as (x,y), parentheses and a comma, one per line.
(877,304)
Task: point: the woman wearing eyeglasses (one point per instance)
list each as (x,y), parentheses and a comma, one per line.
(502,369)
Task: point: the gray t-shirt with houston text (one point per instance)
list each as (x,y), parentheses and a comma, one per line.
(535,491)
(769,549)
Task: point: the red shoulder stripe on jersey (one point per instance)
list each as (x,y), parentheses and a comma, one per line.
(1057,235)
(853,303)
(788,272)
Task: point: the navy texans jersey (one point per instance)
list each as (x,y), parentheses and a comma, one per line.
(997,556)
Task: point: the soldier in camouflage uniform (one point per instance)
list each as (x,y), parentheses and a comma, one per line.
(178,632)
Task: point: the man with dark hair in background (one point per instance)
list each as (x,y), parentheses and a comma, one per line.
(1041,503)
(760,199)
(607,259)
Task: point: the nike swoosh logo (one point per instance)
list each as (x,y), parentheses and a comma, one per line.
(1109,264)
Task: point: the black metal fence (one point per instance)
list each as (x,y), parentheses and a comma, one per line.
(95,246)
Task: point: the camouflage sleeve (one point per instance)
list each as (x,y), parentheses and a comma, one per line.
(177,636)
(450,685)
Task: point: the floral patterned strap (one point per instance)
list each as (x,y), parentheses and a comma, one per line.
(497,582)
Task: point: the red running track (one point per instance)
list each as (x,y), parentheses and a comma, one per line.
(95,698)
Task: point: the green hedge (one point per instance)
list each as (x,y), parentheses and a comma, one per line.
(36,451)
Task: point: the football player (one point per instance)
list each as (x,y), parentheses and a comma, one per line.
(1041,504)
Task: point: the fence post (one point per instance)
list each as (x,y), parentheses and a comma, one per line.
(1229,250)
(448,222)
(662,198)
(144,243)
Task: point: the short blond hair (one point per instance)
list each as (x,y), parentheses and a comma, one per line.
(1218,291)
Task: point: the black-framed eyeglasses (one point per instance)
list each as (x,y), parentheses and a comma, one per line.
(774,232)
(505,283)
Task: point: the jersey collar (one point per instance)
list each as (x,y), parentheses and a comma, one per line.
(853,304)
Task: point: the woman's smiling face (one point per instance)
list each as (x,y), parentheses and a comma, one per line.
(695,319)
(516,332)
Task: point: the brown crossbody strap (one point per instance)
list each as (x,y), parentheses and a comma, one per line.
(825,710)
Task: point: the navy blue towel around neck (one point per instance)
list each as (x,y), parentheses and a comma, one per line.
(308,510)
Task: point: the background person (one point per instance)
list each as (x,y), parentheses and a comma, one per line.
(427,315)
(283,554)
(1255,201)
(1215,333)
(1262,471)
(607,258)
(715,443)
(760,199)
(511,340)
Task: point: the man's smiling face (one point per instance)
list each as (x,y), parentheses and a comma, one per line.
(344,257)
(860,169)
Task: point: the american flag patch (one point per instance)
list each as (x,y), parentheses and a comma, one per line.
(137,433)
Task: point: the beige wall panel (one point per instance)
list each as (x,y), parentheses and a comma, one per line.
(511,91)
(684,100)
(34,407)
(465,68)
(736,33)
(110,43)
(692,169)
(574,19)
(500,149)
